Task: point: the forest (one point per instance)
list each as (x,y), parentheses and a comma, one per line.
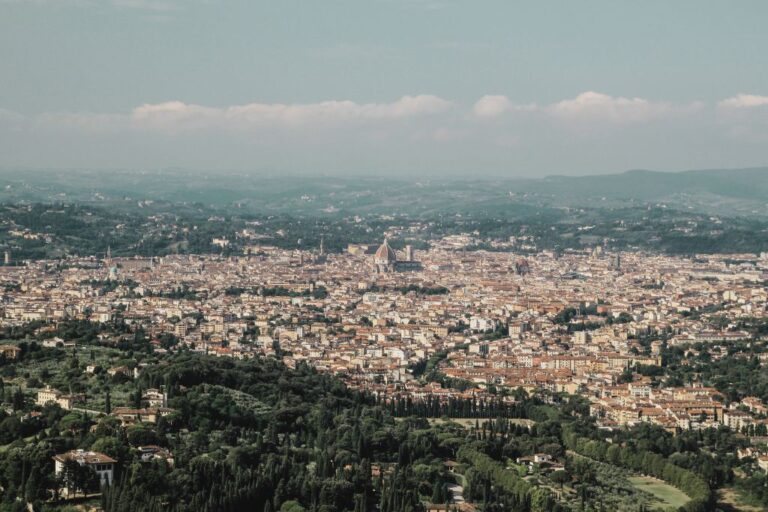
(255,435)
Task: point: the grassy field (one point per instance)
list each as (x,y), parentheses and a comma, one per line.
(470,422)
(667,495)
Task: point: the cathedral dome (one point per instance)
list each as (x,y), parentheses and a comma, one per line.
(385,254)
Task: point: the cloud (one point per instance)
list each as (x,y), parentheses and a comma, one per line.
(422,117)
(588,106)
(744,119)
(490,106)
(591,130)
(744,101)
(176,114)
(595,106)
(173,114)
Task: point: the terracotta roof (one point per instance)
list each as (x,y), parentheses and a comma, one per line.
(385,253)
(85,457)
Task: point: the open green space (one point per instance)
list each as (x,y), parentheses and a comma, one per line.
(471,422)
(667,495)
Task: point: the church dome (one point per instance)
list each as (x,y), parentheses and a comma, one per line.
(385,254)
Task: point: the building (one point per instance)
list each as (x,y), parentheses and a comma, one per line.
(52,396)
(151,453)
(522,267)
(119,370)
(452,507)
(154,398)
(103,465)
(359,249)
(737,420)
(616,262)
(10,351)
(129,416)
(386,259)
(47,395)
(482,324)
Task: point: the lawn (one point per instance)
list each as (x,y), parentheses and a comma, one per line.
(667,495)
(470,422)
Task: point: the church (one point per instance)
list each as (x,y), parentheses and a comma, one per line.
(386,259)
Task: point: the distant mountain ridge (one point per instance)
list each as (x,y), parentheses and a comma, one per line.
(735,192)
(751,183)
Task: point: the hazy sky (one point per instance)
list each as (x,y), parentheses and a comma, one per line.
(384,86)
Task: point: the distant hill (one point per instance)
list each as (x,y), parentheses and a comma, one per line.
(728,191)
(749,184)
(741,192)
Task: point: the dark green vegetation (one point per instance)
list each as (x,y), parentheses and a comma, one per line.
(645,461)
(721,192)
(40,231)
(319,293)
(733,368)
(254,435)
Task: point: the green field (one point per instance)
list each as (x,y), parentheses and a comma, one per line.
(667,495)
(470,422)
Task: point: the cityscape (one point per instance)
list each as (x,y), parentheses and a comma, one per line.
(444,334)
(383,256)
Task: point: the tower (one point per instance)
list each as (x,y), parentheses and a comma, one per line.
(322,245)
(616,262)
(408,253)
(7,258)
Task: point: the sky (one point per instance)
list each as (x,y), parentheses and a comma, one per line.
(384,87)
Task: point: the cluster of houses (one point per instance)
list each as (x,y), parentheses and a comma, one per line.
(573,322)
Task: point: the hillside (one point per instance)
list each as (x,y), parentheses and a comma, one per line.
(735,192)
